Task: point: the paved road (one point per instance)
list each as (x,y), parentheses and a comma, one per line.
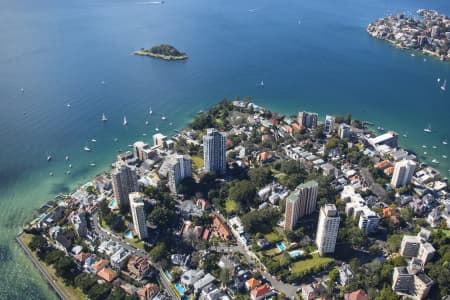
(288,289)
(27,251)
(136,251)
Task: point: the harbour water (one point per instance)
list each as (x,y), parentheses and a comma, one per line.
(311,55)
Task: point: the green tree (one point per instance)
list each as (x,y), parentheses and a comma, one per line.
(260,176)
(38,242)
(99,291)
(161,217)
(85,281)
(225,276)
(158,252)
(333,275)
(393,242)
(386,294)
(243,192)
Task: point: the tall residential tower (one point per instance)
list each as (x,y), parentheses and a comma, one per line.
(124,182)
(214,152)
(300,202)
(327,229)
(403,173)
(138,214)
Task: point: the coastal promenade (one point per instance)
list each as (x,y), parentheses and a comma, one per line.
(30,255)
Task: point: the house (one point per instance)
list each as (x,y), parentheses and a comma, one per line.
(148,291)
(345,274)
(99,265)
(356,295)
(138,267)
(81,257)
(119,258)
(107,274)
(261,292)
(220,228)
(252,283)
(191,276)
(179,259)
(207,279)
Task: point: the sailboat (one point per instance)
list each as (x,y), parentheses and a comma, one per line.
(262,83)
(104,118)
(163,117)
(156,129)
(150,111)
(444,86)
(438,80)
(87,149)
(428,129)
(125,121)
(49,157)
(67,157)
(146,122)
(444,142)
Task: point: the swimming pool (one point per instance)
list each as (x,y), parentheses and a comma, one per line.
(180,289)
(112,204)
(281,246)
(296,253)
(128,235)
(168,275)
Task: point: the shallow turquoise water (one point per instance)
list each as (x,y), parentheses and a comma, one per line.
(61,52)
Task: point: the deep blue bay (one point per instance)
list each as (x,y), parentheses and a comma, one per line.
(60,52)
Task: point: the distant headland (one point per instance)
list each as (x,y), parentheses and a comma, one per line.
(429,32)
(163,51)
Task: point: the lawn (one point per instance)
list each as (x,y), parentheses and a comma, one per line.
(71,292)
(273,237)
(271,252)
(308,264)
(197,162)
(136,242)
(231,206)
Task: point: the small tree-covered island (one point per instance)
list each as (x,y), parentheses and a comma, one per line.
(163,51)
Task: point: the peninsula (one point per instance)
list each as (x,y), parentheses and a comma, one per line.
(246,203)
(163,51)
(429,32)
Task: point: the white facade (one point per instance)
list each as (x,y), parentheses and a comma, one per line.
(344,131)
(329,124)
(327,229)
(214,154)
(180,168)
(403,173)
(138,214)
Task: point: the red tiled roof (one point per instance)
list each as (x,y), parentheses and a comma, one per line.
(107,274)
(252,283)
(357,295)
(260,291)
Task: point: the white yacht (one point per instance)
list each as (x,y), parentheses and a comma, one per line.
(94,140)
(104,118)
(156,129)
(444,85)
(150,111)
(51,173)
(125,121)
(87,149)
(428,129)
(116,139)
(49,157)
(262,83)
(425,153)
(146,122)
(434,147)
(67,157)
(444,156)
(68,105)
(435,161)
(424,146)
(438,80)
(444,142)
(22,90)
(70,166)
(92,164)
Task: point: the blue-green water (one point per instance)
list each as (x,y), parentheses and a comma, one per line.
(59,52)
